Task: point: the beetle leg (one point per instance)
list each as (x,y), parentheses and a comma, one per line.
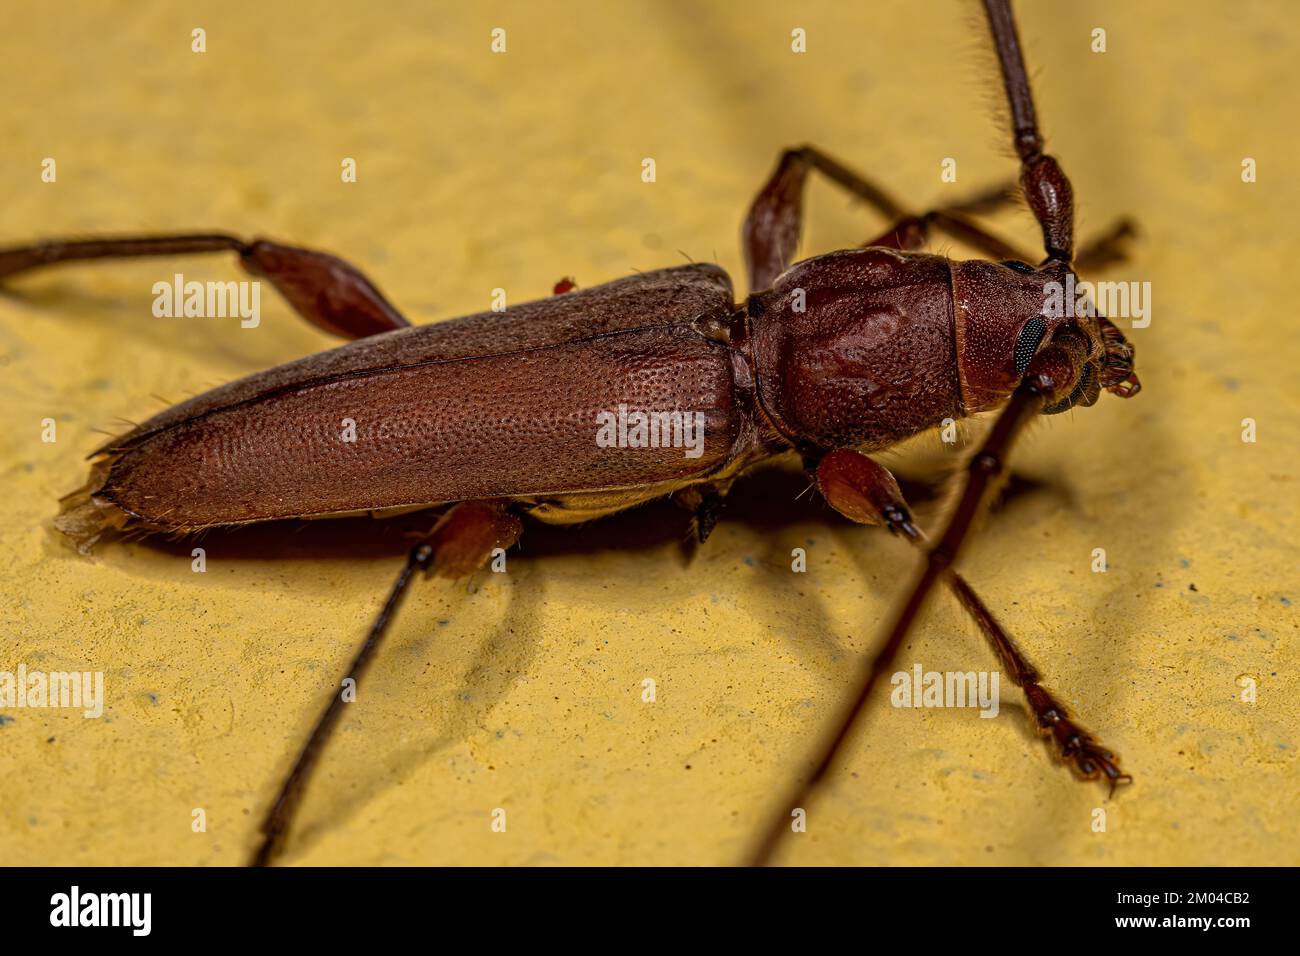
(325,290)
(1050,378)
(775,220)
(912,232)
(864,491)
(772,228)
(460,543)
(706,502)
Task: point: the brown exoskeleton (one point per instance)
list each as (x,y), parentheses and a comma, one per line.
(497,415)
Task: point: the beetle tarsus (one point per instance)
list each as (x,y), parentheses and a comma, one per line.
(1087,758)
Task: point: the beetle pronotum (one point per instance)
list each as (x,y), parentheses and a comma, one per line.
(496,415)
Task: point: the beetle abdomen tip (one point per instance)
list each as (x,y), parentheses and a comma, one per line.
(84,517)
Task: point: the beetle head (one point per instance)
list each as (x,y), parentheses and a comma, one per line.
(1006,312)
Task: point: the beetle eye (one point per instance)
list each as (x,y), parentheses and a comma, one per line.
(1027,343)
(1017,265)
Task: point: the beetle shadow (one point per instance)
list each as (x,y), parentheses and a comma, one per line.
(775,501)
(77,304)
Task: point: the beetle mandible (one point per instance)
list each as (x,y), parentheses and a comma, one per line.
(593,401)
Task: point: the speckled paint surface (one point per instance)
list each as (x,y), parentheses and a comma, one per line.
(524,691)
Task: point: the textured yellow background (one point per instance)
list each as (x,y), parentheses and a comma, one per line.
(479,171)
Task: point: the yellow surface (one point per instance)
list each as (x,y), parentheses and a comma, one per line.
(480,171)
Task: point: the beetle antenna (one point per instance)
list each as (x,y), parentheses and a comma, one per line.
(1047,189)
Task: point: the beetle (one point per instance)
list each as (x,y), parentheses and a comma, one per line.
(498,417)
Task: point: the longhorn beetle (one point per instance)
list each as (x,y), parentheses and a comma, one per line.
(496,416)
